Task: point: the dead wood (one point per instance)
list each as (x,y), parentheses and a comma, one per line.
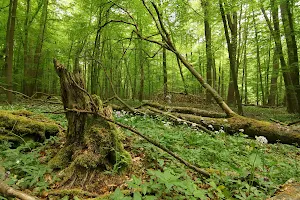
(21,125)
(185,110)
(178,120)
(31,97)
(186,163)
(91,142)
(11,192)
(251,127)
(293,123)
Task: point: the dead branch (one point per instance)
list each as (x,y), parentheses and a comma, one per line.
(28,97)
(184,110)
(11,192)
(176,119)
(293,123)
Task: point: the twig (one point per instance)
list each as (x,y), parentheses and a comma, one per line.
(28,97)
(278,122)
(181,120)
(293,123)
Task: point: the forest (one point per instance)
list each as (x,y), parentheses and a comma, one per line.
(149,99)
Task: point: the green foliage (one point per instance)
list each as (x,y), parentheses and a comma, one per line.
(22,167)
(241,168)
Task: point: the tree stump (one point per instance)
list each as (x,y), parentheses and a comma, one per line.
(91,142)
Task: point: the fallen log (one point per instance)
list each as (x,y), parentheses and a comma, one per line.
(251,127)
(20,125)
(185,110)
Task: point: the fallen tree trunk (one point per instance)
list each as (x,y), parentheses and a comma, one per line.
(186,110)
(251,127)
(274,132)
(18,126)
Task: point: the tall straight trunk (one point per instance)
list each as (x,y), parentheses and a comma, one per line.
(274,77)
(244,77)
(259,72)
(26,48)
(291,96)
(142,72)
(165,72)
(232,44)
(289,32)
(95,86)
(9,51)
(39,46)
(208,42)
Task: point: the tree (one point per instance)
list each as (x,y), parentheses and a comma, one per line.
(9,49)
(292,49)
(291,97)
(231,22)
(209,55)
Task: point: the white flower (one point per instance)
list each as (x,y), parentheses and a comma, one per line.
(211,127)
(118,114)
(221,130)
(225,120)
(241,130)
(184,123)
(261,139)
(216,132)
(18,161)
(194,124)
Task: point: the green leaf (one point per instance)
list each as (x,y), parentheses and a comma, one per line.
(137,196)
(200,194)
(117,195)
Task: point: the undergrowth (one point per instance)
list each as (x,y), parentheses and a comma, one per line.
(241,168)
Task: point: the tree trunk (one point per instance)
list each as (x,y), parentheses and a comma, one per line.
(38,71)
(292,49)
(232,44)
(9,52)
(209,56)
(274,77)
(291,97)
(91,142)
(165,72)
(259,72)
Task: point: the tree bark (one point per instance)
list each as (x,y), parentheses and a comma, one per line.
(274,77)
(208,43)
(9,51)
(291,96)
(232,44)
(91,142)
(259,72)
(292,49)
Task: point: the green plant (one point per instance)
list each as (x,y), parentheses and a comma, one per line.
(23,167)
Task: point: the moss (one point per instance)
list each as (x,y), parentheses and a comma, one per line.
(97,101)
(20,124)
(62,158)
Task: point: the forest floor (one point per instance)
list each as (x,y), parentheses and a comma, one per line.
(241,168)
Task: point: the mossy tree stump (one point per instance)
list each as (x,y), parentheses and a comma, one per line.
(91,142)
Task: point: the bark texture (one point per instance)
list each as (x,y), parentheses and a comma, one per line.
(91,142)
